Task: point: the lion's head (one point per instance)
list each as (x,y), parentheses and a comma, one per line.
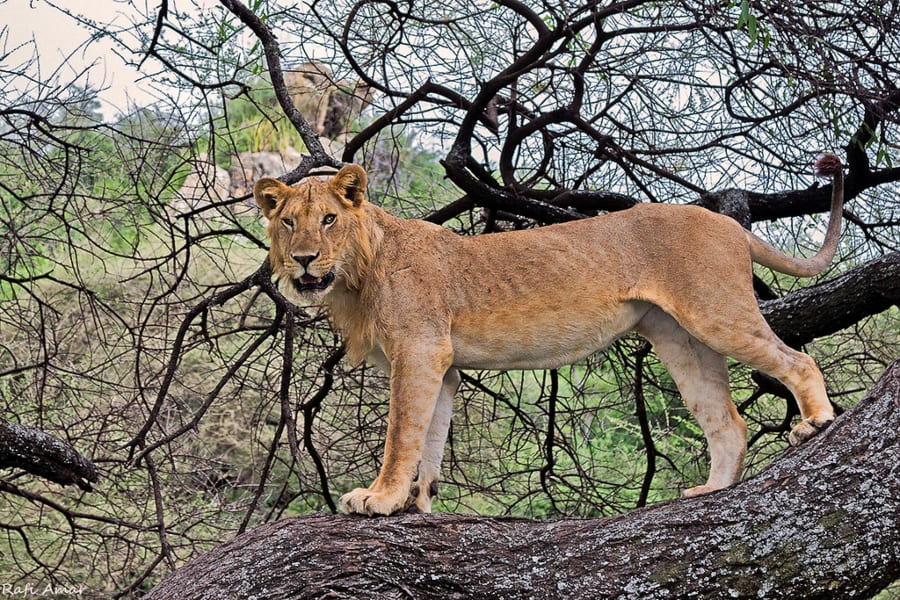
(316,232)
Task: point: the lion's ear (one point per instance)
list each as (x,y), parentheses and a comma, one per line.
(266,193)
(350,184)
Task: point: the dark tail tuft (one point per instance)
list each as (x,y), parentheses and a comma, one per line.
(827,165)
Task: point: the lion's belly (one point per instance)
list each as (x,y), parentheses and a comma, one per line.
(541,339)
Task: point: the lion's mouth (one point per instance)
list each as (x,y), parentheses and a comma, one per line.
(307,283)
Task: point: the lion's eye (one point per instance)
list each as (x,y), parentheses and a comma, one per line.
(289,223)
(329,219)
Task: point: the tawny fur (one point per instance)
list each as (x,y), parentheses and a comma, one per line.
(421,302)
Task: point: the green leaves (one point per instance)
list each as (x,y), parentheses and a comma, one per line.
(755,30)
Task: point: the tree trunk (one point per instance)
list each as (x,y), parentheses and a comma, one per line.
(822,521)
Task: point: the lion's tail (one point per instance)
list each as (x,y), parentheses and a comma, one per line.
(827,165)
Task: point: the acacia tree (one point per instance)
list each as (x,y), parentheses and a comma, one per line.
(210,404)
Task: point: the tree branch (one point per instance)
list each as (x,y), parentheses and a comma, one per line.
(830,306)
(41,454)
(157,30)
(273,62)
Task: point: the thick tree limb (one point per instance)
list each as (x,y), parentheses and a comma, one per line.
(823,309)
(816,199)
(821,521)
(41,454)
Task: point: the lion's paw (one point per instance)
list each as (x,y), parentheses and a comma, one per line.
(808,428)
(698,490)
(365,501)
(421,495)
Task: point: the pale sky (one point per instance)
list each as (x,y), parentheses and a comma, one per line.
(57,36)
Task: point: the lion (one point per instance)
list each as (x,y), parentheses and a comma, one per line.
(422,302)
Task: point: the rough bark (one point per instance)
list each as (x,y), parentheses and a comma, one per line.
(830,306)
(41,454)
(822,521)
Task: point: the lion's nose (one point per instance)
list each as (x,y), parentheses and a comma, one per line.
(304,259)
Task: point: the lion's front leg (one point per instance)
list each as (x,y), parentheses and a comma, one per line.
(425,485)
(416,382)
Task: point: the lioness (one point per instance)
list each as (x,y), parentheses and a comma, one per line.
(421,302)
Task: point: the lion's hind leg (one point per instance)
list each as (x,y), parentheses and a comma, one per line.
(745,336)
(799,373)
(701,375)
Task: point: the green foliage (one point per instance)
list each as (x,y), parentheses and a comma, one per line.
(253,122)
(116,180)
(756,31)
